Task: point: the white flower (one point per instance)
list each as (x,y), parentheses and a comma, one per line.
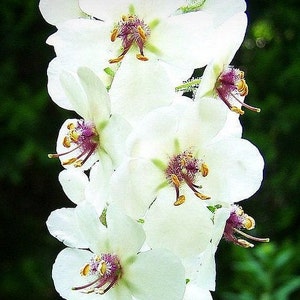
(221,80)
(112,266)
(99,135)
(157,48)
(183,154)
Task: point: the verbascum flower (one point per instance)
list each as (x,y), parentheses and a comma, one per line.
(153,45)
(181,152)
(104,260)
(99,135)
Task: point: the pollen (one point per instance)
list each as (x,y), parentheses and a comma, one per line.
(133,32)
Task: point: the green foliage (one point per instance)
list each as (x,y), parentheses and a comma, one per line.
(266,272)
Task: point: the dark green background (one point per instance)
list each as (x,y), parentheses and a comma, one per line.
(29,127)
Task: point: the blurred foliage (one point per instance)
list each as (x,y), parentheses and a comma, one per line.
(30,122)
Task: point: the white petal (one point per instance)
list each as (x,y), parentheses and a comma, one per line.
(126,236)
(57,11)
(97,192)
(113,10)
(200,123)
(201,269)
(185,40)
(98,102)
(74,183)
(113,137)
(155,135)
(79,43)
(139,87)
(89,223)
(193,292)
(62,225)
(156,274)
(223,10)
(134,186)
(236,170)
(184,229)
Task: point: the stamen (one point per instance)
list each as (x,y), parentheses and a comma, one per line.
(250,237)
(239,220)
(107,269)
(114,34)
(85,138)
(180,200)
(231,85)
(204,169)
(183,168)
(131,30)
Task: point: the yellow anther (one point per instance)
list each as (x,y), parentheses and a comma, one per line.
(244,243)
(180,200)
(52,156)
(204,169)
(141,57)
(74,136)
(114,34)
(242,74)
(202,196)
(242,87)
(102,268)
(69,161)
(124,18)
(237,110)
(71,126)
(66,142)
(116,60)
(175,180)
(141,33)
(78,163)
(249,222)
(85,270)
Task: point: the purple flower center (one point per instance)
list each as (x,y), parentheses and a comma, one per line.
(237,221)
(184,168)
(81,138)
(231,86)
(131,30)
(107,270)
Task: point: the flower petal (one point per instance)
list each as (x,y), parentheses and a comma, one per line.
(57,11)
(62,225)
(178,228)
(134,186)
(74,183)
(156,274)
(139,87)
(126,236)
(113,138)
(236,170)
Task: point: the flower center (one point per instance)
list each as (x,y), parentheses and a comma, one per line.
(184,168)
(231,85)
(239,220)
(81,138)
(107,270)
(131,30)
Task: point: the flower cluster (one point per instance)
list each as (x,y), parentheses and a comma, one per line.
(153,174)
